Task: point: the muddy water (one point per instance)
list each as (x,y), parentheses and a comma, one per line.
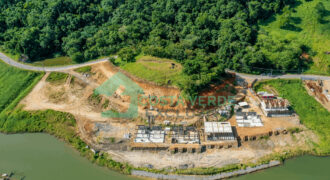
(41,157)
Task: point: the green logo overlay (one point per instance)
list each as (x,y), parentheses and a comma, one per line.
(134,91)
(131,89)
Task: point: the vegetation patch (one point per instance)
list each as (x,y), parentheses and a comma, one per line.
(106,103)
(13,83)
(57,61)
(158,70)
(57,77)
(312,114)
(209,171)
(95,99)
(307,23)
(86,69)
(204,36)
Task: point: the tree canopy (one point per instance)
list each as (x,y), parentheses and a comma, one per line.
(204,36)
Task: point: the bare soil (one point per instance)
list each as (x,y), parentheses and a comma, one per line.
(250,152)
(315,90)
(74,96)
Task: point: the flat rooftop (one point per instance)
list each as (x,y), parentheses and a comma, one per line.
(217,127)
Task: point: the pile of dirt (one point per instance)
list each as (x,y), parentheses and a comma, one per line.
(318,90)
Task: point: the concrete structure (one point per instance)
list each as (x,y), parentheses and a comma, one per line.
(266,95)
(275,107)
(218,131)
(243,104)
(185,135)
(248,119)
(147,135)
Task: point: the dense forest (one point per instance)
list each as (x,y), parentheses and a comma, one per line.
(205,36)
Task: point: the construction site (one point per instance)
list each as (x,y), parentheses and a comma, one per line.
(319,89)
(246,126)
(260,115)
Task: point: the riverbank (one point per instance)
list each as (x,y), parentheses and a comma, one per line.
(212,177)
(63,126)
(40,156)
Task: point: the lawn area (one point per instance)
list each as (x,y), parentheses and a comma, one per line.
(15,83)
(312,114)
(308,31)
(58,61)
(158,70)
(57,77)
(86,69)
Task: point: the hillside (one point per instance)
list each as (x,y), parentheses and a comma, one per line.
(205,37)
(306,27)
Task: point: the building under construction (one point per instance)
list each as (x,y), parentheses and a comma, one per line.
(150,135)
(248,119)
(184,135)
(275,107)
(184,138)
(218,131)
(219,135)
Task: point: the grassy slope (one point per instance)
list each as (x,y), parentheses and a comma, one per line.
(154,69)
(312,114)
(58,61)
(57,77)
(313,34)
(13,82)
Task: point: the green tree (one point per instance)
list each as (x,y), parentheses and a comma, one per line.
(127,54)
(285,18)
(77,57)
(320,10)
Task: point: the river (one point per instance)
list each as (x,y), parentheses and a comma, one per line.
(41,156)
(300,168)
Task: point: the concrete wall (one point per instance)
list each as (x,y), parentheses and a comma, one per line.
(211,177)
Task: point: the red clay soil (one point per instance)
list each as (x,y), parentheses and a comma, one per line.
(317,91)
(102,72)
(219,91)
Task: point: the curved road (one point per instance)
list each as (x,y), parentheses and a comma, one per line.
(14,63)
(284,76)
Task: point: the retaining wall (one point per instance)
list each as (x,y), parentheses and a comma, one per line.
(211,177)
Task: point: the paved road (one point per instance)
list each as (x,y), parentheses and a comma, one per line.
(14,63)
(284,76)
